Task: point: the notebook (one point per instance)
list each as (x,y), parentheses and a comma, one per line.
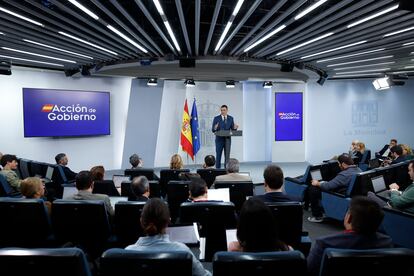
(187,234)
(118,179)
(219,194)
(231,236)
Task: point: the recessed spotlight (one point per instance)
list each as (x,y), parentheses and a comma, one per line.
(189,83)
(267,84)
(152,82)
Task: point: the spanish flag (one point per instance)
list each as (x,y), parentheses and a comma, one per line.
(186,137)
(47,107)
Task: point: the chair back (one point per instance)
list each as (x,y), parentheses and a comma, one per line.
(177,193)
(167,175)
(127,221)
(259,264)
(378,262)
(148,173)
(123,262)
(209,175)
(45,262)
(106,187)
(239,191)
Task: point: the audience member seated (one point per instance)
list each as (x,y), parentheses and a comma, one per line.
(339,184)
(135,161)
(353,148)
(33,187)
(385,151)
(155,218)
(62,160)
(397,155)
(403,201)
(140,188)
(209,162)
(197,190)
(361,224)
(407,151)
(176,162)
(98,173)
(256,229)
(273,183)
(232,169)
(9,164)
(84,184)
(360,149)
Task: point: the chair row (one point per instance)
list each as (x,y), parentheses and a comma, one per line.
(113,262)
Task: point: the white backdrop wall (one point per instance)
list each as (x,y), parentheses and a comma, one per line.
(83,152)
(210,96)
(341,111)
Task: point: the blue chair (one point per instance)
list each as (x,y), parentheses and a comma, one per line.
(336,204)
(127,226)
(399,226)
(123,262)
(6,190)
(45,262)
(378,262)
(296,186)
(259,264)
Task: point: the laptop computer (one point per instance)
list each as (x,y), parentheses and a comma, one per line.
(115,199)
(118,179)
(379,187)
(374,163)
(316,175)
(69,192)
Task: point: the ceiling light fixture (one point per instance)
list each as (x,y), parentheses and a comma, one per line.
(362,66)
(408,44)
(38,55)
(382,83)
(84,9)
(1,33)
(126,38)
(189,83)
(304,44)
(400,31)
(364,71)
(409,67)
(308,10)
(230,84)
(152,82)
(359,61)
(267,84)
(30,60)
(357,75)
(351,55)
(88,43)
(167,25)
(21,17)
(265,38)
(335,49)
(56,48)
(372,16)
(228,25)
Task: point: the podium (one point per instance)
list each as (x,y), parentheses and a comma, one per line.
(228,133)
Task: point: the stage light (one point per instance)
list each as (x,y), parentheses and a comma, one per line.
(189,83)
(152,82)
(230,84)
(267,84)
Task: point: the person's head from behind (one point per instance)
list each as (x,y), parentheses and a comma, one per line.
(223,110)
(364,216)
(135,161)
(361,147)
(209,161)
(396,151)
(61,159)
(273,178)
(411,170)
(155,217)
(345,161)
(197,188)
(176,162)
(97,173)
(32,187)
(233,166)
(140,186)
(406,149)
(84,181)
(256,229)
(9,162)
(393,142)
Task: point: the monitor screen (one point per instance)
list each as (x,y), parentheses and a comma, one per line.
(288,116)
(118,179)
(316,175)
(378,184)
(60,113)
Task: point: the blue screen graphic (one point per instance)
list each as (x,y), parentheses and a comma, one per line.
(289,116)
(59,113)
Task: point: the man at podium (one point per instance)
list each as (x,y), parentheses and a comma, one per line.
(223,122)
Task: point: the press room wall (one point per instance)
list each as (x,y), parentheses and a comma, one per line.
(83,152)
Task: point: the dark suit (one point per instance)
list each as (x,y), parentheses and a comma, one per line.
(276,197)
(345,240)
(399,159)
(382,151)
(70,175)
(222,142)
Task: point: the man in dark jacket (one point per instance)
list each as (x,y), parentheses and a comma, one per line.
(361,224)
(339,184)
(62,160)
